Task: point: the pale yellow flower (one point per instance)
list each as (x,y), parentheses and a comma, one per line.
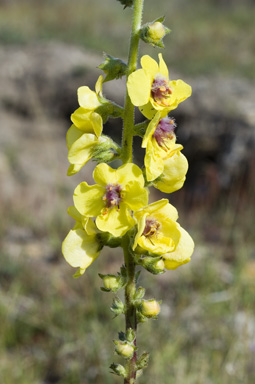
(151,90)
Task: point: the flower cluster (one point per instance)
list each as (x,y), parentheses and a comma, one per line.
(116,206)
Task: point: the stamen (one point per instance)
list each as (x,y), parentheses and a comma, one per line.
(151,227)
(113,195)
(160,90)
(164,132)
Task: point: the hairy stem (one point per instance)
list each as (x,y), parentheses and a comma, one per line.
(131,321)
(128,116)
(127,157)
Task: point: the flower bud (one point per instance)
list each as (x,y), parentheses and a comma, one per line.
(118,369)
(153,265)
(105,150)
(124,349)
(140,292)
(111,282)
(130,335)
(150,308)
(154,32)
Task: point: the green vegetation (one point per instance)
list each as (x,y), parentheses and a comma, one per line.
(206,37)
(56,329)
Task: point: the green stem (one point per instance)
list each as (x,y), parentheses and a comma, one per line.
(128,117)
(127,157)
(131,321)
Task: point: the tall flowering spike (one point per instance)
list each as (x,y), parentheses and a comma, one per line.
(151,90)
(114,211)
(112,200)
(157,233)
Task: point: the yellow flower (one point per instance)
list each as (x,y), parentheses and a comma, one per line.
(112,200)
(159,140)
(87,122)
(158,233)
(82,137)
(174,172)
(81,246)
(90,100)
(149,88)
(182,253)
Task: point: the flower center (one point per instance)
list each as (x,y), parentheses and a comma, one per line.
(164,132)
(151,227)
(160,90)
(112,195)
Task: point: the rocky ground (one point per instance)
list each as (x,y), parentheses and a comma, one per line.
(37,95)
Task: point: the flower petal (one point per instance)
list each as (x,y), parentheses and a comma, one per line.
(181,90)
(173,176)
(151,129)
(88,199)
(140,225)
(87,98)
(162,66)
(72,135)
(148,111)
(117,221)
(154,164)
(139,87)
(81,150)
(88,122)
(160,206)
(150,66)
(99,85)
(182,253)
(73,169)
(129,172)
(72,211)
(103,174)
(135,195)
(80,249)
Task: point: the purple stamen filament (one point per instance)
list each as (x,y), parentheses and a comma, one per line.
(160,90)
(164,132)
(112,197)
(151,227)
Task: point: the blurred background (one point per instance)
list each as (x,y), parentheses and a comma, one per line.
(56,329)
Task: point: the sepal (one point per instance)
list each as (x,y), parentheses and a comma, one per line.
(154,265)
(139,294)
(117,307)
(113,67)
(143,361)
(105,151)
(126,3)
(118,370)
